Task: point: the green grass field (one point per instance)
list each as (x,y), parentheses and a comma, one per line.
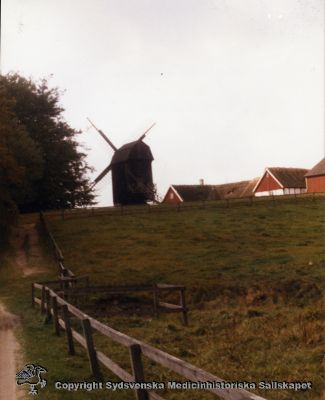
(37,341)
(254,278)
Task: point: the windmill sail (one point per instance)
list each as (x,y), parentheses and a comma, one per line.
(102,134)
(144,134)
(131,171)
(102,174)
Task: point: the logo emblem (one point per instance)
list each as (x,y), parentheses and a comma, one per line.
(31,375)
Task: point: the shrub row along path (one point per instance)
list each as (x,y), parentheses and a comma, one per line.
(25,243)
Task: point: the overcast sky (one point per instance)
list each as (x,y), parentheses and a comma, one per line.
(233,85)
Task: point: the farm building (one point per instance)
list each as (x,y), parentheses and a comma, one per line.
(180,193)
(315,178)
(280,181)
(236,190)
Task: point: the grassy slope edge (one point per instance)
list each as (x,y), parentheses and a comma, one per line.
(254,277)
(38,342)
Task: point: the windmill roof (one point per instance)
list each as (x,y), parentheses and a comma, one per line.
(318,169)
(290,177)
(136,150)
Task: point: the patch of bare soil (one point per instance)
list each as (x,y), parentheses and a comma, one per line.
(112,306)
(9,358)
(25,242)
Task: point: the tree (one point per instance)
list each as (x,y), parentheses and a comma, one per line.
(62,176)
(20,164)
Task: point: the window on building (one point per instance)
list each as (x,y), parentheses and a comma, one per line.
(171,195)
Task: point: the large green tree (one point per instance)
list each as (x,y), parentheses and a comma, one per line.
(60,180)
(20,164)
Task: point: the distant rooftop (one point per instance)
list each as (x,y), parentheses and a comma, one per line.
(318,169)
(290,177)
(216,192)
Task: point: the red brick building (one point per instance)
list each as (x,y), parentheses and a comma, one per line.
(315,178)
(280,181)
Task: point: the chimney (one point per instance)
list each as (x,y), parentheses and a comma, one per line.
(201,182)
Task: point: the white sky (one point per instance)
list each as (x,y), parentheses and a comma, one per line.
(233,85)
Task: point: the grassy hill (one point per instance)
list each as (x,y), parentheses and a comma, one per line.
(254,278)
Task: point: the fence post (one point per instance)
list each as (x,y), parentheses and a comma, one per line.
(137,370)
(183,305)
(155,300)
(92,355)
(48,305)
(66,319)
(55,316)
(43,300)
(33,295)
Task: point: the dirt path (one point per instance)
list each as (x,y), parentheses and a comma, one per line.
(28,253)
(9,356)
(25,242)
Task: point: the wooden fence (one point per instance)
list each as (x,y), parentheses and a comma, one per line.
(60,312)
(73,292)
(161,208)
(68,283)
(58,255)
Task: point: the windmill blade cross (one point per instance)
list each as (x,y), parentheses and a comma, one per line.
(144,134)
(102,174)
(103,135)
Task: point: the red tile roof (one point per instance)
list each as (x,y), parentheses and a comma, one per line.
(318,169)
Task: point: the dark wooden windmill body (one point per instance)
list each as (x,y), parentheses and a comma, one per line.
(131,172)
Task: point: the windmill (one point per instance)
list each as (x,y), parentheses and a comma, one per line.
(131,171)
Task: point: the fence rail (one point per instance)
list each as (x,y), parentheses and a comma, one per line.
(60,311)
(58,255)
(68,281)
(75,292)
(161,208)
